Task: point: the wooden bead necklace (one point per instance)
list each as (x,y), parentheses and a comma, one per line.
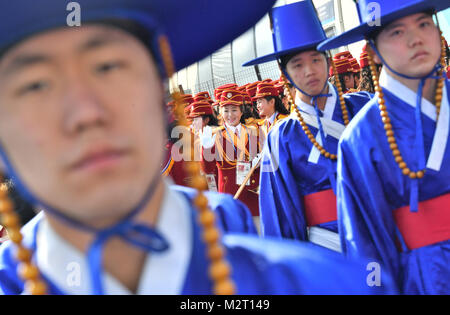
(387,122)
(10,220)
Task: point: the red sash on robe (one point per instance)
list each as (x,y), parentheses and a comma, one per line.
(429,225)
(320,207)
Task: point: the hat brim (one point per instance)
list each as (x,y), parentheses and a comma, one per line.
(258,96)
(182,21)
(279,54)
(196,115)
(225,103)
(364,31)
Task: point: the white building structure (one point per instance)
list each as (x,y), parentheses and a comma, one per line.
(225,65)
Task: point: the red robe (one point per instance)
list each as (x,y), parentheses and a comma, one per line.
(223,166)
(174,167)
(3,234)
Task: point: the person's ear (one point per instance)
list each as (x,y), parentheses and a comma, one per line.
(375,57)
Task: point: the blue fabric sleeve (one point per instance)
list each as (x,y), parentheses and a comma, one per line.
(280,201)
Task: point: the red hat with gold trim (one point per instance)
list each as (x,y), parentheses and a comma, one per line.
(200,108)
(341,61)
(231,97)
(355,65)
(265,89)
(218,91)
(242,88)
(364,57)
(245,96)
(364,60)
(186,99)
(343,66)
(247,99)
(343,55)
(251,88)
(279,85)
(202,96)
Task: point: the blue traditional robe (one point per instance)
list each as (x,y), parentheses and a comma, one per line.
(258,266)
(232,216)
(372,190)
(293,168)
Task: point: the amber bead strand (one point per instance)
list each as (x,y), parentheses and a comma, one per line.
(441,80)
(219,269)
(27,270)
(388,126)
(340,93)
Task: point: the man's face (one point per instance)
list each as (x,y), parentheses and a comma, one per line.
(81,119)
(410,45)
(309,71)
